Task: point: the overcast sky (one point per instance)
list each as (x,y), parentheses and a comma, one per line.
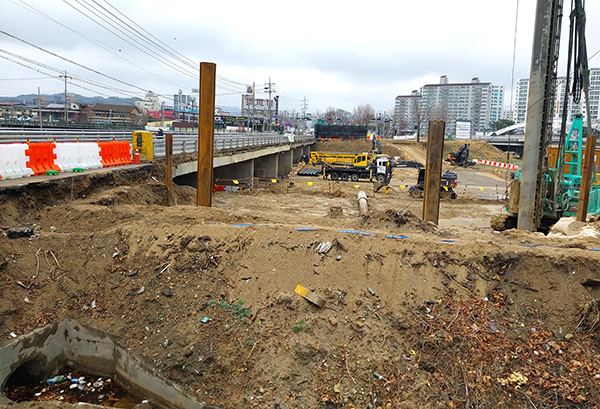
(338,54)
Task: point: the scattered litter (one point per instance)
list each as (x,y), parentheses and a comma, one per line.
(12,334)
(52,229)
(338,258)
(146,328)
(380,377)
(305,229)
(93,304)
(18,232)
(370,291)
(324,247)
(141,290)
(163,270)
(56,379)
(166,343)
(205,320)
(493,326)
(242,224)
(133,273)
(396,236)
(115,255)
(310,296)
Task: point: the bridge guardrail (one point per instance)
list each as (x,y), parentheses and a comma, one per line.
(183,142)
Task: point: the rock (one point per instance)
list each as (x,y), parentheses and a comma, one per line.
(333,321)
(337,388)
(167,292)
(166,343)
(189,353)
(133,273)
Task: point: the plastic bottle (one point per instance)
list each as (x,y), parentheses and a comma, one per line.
(56,379)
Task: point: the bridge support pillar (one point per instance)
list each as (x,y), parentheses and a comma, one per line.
(241,171)
(284,166)
(297,154)
(267,164)
(306,150)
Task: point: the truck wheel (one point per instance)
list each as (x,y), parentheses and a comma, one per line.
(445,194)
(354,177)
(345,177)
(381,178)
(335,176)
(416,192)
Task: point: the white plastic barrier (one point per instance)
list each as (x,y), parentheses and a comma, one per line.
(90,152)
(13,161)
(67,155)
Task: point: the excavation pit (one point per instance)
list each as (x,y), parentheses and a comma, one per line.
(54,349)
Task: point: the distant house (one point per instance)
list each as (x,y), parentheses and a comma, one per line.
(114,115)
(167,114)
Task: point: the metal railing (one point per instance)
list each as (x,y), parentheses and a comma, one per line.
(183,142)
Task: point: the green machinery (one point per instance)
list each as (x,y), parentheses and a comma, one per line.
(561,186)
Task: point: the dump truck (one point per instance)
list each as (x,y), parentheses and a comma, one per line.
(447,185)
(364,166)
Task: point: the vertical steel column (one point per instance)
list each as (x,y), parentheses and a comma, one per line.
(529,199)
(590,145)
(169,167)
(433,171)
(206,133)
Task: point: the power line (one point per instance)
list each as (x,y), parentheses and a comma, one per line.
(97,43)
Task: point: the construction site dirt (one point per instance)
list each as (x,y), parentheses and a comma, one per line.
(416,315)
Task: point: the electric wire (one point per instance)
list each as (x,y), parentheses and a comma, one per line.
(97,43)
(146,51)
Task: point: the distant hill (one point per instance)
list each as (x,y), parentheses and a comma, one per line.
(231,110)
(28,99)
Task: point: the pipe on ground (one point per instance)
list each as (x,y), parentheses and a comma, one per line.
(362,204)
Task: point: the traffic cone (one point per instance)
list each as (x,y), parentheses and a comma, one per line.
(136,157)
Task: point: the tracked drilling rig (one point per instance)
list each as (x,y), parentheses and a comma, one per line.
(541,194)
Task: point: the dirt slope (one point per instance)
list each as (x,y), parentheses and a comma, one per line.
(452,316)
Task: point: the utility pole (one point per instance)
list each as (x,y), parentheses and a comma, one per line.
(269,89)
(39,104)
(66,111)
(304,106)
(253,111)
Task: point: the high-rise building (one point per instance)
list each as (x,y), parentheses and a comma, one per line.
(522,94)
(407,110)
(476,102)
(520,97)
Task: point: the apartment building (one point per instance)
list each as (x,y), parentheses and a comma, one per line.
(407,110)
(522,95)
(476,102)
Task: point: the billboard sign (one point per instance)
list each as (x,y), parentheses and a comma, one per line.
(463,130)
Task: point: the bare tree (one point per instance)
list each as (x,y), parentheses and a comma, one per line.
(420,115)
(363,114)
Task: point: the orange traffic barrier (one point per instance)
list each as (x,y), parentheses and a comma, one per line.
(41,157)
(115,153)
(107,153)
(123,150)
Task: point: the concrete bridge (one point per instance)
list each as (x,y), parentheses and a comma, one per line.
(265,162)
(238,156)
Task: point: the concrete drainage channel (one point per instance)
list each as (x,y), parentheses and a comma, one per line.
(44,352)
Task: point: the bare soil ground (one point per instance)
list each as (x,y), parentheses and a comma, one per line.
(416,315)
